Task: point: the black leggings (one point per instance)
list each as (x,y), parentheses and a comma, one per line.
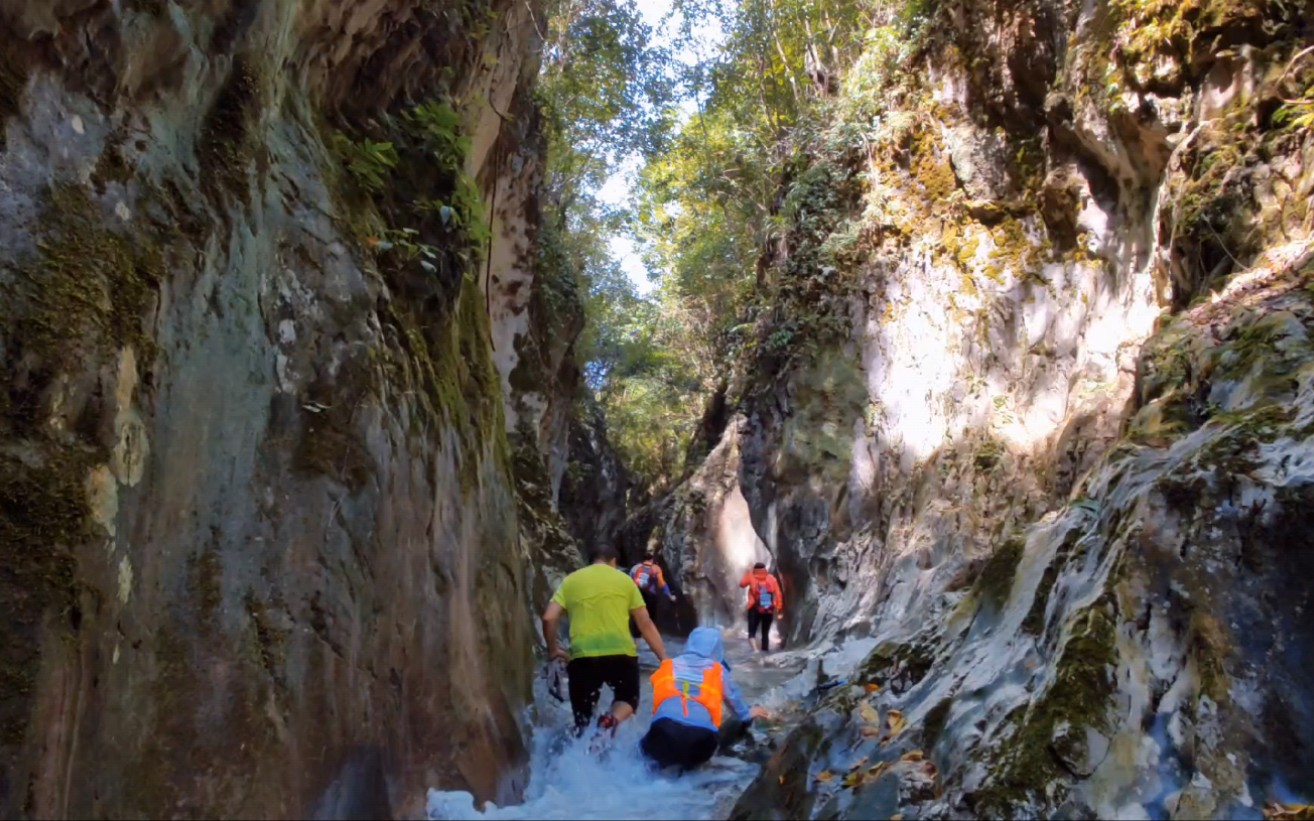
(672,744)
(757,618)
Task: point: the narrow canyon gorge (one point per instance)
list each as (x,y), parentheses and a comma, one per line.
(304,421)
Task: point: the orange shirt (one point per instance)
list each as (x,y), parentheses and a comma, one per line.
(656,580)
(760,582)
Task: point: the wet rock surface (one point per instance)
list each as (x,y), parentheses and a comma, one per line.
(280,474)
(595,489)
(1058,455)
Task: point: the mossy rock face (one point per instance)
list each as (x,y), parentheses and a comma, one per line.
(81,299)
(227,145)
(1191,32)
(87,284)
(1034,623)
(1036,764)
(931,167)
(12,81)
(447,360)
(996,580)
(896,667)
(44,523)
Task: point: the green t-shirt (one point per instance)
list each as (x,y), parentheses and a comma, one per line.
(599,599)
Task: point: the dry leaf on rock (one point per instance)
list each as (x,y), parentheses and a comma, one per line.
(1289,812)
(877,771)
(869,713)
(894,723)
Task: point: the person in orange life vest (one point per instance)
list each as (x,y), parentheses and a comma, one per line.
(688,697)
(764,602)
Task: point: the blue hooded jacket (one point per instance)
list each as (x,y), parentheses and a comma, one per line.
(703,649)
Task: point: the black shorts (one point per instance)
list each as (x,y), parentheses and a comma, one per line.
(587,675)
(672,744)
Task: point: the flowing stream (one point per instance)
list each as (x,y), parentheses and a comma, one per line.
(567,781)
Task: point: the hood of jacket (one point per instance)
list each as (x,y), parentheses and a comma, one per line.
(706,642)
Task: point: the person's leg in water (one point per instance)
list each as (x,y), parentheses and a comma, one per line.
(621,674)
(754,618)
(585,690)
(766,619)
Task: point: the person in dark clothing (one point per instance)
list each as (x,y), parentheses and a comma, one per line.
(672,744)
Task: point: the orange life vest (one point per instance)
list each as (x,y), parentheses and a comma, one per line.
(710,690)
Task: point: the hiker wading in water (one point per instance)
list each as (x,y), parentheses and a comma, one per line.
(647,574)
(688,696)
(600,601)
(765,603)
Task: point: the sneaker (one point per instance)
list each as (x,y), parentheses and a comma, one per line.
(607,725)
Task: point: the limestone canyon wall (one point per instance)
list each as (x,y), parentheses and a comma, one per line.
(1032,409)
(257,504)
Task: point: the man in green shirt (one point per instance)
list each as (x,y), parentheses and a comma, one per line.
(600,601)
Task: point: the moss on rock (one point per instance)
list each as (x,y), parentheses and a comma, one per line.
(12,81)
(1034,623)
(87,284)
(44,518)
(447,358)
(897,667)
(226,144)
(931,167)
(1029,769)
(996,580)
(75,303)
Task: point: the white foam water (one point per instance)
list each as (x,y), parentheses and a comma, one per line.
(567,781)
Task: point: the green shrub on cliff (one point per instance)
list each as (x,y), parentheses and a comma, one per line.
(369,163)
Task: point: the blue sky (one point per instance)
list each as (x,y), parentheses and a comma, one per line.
(619,188)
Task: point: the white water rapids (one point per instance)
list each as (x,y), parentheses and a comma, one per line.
(618,784)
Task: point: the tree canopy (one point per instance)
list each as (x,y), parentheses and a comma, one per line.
(709,108)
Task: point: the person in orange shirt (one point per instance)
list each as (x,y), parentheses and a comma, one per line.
(648,576)
(765,604)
